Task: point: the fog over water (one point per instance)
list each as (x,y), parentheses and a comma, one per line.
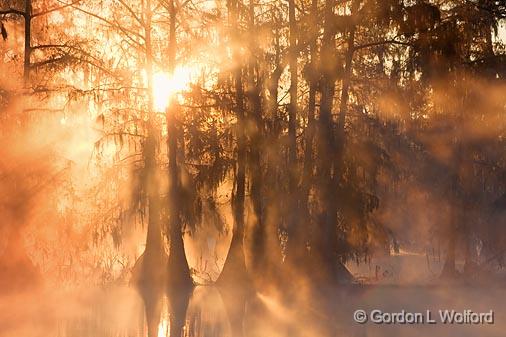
(120,312)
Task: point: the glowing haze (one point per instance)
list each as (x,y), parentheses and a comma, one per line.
(167,87)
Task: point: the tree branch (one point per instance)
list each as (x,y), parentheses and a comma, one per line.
(46,46)
(54,9)
(130,10)
(12,11)
(50,61)
(111,24)
(379,43)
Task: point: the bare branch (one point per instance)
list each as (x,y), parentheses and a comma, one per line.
(50,61)
(379,43)
(13,11)
(130,10)
(54,9)
(111,24)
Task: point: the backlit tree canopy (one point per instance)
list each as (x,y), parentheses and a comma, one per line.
(249,142)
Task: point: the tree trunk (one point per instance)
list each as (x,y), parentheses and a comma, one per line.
(330,147)
(259,233)
(307,176)
(150,275)
(234,270)
(342,273)
(295,245)
(273,207)
(326,235)
(178,269)
(449,270)
(153,241)
(28,46)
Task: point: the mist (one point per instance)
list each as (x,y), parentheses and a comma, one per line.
(252,168)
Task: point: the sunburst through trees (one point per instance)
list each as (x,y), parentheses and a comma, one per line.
(285,152)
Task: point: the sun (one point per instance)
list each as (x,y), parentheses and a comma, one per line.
(167,87)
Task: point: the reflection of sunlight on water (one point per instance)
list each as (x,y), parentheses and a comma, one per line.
(207,315)
(120,312)
(163,328)
(164,325)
